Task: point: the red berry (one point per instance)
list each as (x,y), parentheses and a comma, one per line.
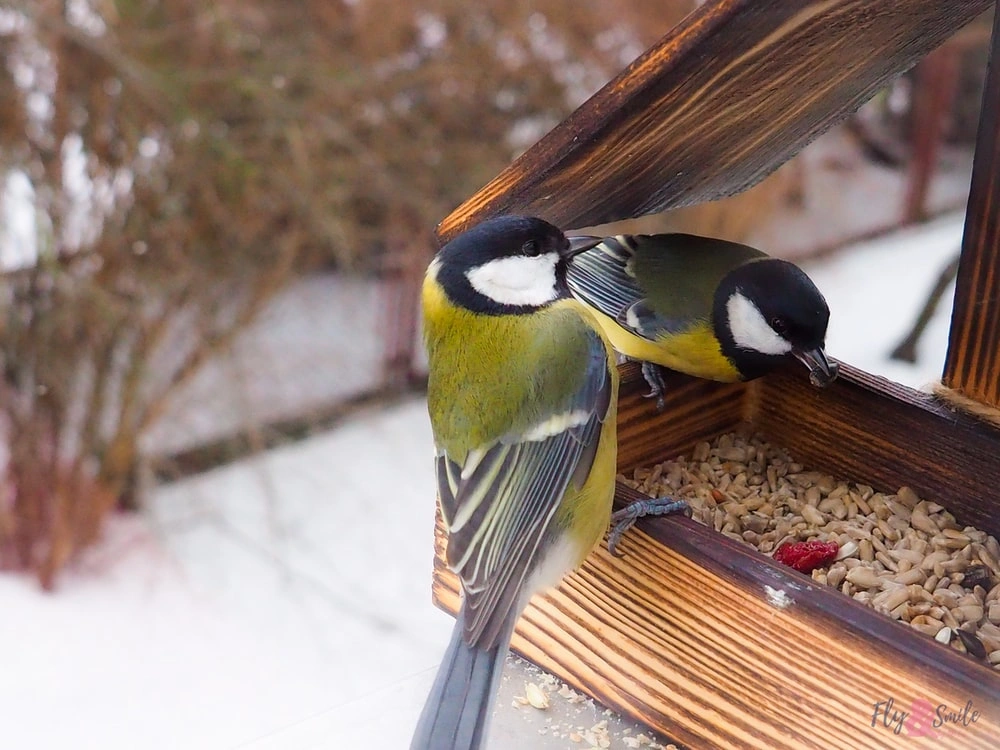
(806,556)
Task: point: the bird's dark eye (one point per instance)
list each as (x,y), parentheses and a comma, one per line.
(780,325)
(531,248)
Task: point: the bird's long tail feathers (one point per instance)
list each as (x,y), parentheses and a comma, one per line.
(457,713)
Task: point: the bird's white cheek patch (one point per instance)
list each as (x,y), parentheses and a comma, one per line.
(517,280)
(750,330)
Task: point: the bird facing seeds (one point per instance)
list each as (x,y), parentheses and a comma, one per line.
(522,396)
(703,306)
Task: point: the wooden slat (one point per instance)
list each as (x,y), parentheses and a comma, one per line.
(866,428)
(682,635)
(696,408)
(972,365)
(735,90)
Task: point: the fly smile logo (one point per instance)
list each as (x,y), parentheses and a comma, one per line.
(922,718)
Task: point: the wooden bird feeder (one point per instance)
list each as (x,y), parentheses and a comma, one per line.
(683,633)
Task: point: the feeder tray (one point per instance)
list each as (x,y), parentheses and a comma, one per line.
(700,637)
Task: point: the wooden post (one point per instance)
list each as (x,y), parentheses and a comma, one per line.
(972,366)
(933,98)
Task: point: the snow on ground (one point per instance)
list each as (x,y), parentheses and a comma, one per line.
(283,601)
(252,597)
(296,357)
(875,290)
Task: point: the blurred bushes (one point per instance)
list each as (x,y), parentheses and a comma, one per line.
(184,160)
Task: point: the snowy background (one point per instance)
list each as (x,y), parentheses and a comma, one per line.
(283,601)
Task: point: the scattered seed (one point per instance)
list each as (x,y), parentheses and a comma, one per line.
(969,612)
(863,577)
(914,575)
(972,644)
(946,598)
(922,522)
(537,697)
(887,562)
(847,550)
(865,550)
(835,576)
(906,496)
(934,558)
(978,575)
(812,515)
(911,556)
(930,629)
(889,599)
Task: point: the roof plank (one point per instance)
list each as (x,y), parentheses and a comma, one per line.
(727,96)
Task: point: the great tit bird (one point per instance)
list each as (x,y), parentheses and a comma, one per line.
(703,306)
(522,395)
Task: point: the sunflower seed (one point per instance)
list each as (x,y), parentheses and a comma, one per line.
(972,644)
(537,697)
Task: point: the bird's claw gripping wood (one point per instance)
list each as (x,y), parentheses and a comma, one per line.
(624,519)
(654,379)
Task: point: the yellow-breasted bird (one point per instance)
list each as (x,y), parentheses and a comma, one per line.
(703,306)
(522,398)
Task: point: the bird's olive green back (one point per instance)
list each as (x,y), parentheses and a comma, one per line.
(680,272)
(493,376)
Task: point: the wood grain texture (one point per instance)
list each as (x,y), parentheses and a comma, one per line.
(866,428)
(683,635)
(695,407)
(736,89)
(972,365)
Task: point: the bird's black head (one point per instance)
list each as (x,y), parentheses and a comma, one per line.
(508,265)
(768,311)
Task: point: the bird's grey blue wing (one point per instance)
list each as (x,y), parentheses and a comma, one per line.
(603,279)
(507,495)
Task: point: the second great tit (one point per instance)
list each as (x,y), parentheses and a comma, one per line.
(522,394)
(705,307)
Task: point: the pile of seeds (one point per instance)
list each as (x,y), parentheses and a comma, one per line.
(903,555)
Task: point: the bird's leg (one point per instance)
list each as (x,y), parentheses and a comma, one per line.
(624,519)
(654,379)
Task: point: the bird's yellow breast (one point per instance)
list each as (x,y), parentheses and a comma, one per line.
(695,351)
(480,387)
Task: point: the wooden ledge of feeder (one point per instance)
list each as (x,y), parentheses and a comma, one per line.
(727,96)
(711,642)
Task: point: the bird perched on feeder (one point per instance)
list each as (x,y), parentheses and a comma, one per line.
(522,395)
(706,307)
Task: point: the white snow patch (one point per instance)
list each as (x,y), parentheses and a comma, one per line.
(875,290)
(248,600)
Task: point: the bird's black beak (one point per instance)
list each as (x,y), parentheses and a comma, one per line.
(581,244)
(822,371)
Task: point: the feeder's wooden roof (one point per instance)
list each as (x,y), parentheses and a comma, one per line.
(736,89)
